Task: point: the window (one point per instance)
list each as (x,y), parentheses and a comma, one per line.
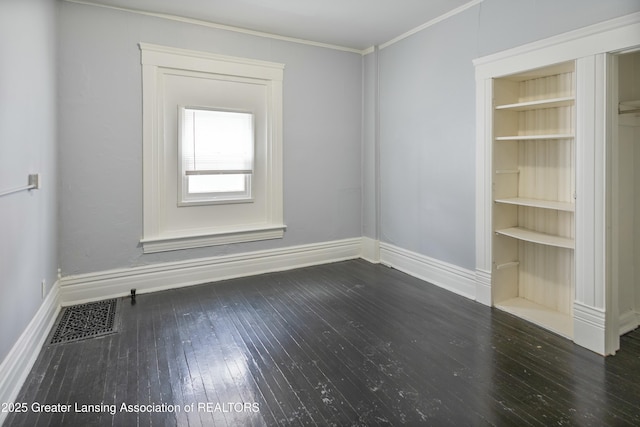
(216,156)
(212,149)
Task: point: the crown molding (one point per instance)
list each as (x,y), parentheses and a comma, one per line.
(432,22)
(621,28)
(247,31)
(218,26)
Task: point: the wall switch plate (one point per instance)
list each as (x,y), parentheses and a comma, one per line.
(44,288)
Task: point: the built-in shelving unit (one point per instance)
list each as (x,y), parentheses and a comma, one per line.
(533,195)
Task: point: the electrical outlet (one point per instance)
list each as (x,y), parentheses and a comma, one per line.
(44,288)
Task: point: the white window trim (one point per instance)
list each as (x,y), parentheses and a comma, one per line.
(157,60)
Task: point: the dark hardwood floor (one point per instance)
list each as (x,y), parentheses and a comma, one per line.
(343,344)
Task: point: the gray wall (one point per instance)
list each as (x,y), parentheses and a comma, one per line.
(101,136)
(504,24)
(427,135)
(28,220)
(369,163)
(427,116)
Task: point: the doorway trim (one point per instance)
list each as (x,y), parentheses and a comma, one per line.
(622,323)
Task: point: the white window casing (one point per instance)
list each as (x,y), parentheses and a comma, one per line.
(225,184)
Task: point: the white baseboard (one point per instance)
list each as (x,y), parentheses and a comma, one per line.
(370,250)
(18,363)
(483,287)
(629,321)
(448,276)
(589,327)
(70,290)
(156,277)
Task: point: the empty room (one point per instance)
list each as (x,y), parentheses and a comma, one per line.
(332,213)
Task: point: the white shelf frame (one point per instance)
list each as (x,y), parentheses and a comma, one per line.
(548,318)
(537,237)
(566,101)
(534,137)
(539,203)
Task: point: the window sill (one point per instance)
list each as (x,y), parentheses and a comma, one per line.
(188,241)
(210,202)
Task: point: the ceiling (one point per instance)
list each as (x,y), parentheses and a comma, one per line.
(355,24)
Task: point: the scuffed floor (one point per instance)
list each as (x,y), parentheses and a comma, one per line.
(343,344)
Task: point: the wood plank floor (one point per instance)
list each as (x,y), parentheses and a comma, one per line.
(343,344)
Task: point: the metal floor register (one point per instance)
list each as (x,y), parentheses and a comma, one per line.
(83,321)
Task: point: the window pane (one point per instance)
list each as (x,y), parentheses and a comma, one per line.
(217,140)
(217,184)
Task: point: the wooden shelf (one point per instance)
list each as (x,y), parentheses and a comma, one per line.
(537,203)
(538,104)
(555,321)
(534,137)
(536,237)
(534,140)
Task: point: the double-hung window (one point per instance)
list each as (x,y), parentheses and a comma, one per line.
(216,155)
(212,149)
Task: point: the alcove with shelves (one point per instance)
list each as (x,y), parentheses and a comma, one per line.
(547,245)
(533,194)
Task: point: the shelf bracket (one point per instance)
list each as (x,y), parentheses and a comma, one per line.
(507,265)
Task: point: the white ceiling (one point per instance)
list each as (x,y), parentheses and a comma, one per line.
(356,24)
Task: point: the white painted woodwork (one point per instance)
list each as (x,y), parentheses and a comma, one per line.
(534,137)
(533,213)
(176,77)
(512,128)
(537,237)
(561,323)
(537,203)
(379,22)
(543,103)
(626,198)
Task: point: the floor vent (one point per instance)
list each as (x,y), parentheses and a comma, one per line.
(80,322)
